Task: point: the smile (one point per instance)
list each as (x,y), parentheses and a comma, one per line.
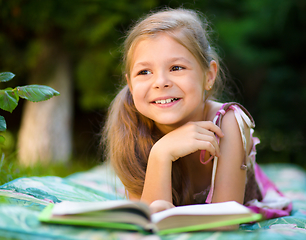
(165,101)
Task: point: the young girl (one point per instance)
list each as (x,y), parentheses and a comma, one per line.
(168,140)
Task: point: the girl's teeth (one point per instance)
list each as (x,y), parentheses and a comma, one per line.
(164,101)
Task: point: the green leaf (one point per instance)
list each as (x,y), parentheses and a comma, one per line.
(36,93)
(8,99)
(6,76)
(2,124)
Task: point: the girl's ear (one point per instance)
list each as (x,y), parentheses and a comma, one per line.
(128,82)
(211,75)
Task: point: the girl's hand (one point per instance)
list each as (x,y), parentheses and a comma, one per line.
(160,205)
(189,138)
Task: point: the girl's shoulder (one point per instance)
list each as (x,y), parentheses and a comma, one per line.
(212,107)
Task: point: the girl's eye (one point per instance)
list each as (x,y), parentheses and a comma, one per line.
(176,68)
(144,72)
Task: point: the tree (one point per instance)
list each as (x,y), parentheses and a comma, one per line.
(46,127)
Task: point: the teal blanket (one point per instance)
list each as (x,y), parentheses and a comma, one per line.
(22,199)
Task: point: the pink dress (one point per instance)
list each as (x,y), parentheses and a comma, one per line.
(261,195)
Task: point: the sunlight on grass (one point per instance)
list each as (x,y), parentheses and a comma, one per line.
(10,168)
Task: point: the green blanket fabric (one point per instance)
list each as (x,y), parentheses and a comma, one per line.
(22,200)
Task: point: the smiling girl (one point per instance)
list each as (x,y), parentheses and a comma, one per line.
(170,142)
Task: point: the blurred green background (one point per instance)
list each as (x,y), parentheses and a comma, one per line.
(261,42)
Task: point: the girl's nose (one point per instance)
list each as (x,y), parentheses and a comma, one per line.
(162,81)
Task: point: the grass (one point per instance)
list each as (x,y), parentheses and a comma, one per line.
(11,169)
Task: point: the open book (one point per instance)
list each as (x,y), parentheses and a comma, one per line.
(130,215)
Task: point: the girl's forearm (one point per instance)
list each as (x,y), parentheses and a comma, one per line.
(157,185)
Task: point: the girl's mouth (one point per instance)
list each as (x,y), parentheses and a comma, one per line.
(165,101)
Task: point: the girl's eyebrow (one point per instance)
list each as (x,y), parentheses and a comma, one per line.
(141,64)
(175,59)
(171,60)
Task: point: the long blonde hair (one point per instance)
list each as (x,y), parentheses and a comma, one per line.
(128,135)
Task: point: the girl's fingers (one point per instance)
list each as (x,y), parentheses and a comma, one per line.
(208,143)
(208,125)
(207,132)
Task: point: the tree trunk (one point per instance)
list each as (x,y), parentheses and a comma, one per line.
(46,133)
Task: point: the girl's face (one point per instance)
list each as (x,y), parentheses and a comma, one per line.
(167,82)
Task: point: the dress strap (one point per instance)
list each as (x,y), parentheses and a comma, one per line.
(241,114)
(237,107)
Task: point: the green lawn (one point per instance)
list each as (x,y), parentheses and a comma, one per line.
(11,169)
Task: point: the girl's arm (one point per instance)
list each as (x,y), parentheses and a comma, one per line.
(230,179)
(182,141)
(157,180)
(157,184)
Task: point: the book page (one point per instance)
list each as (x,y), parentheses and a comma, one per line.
(67,207)
(225,208)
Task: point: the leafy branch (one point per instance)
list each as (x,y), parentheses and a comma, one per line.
(9,97)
